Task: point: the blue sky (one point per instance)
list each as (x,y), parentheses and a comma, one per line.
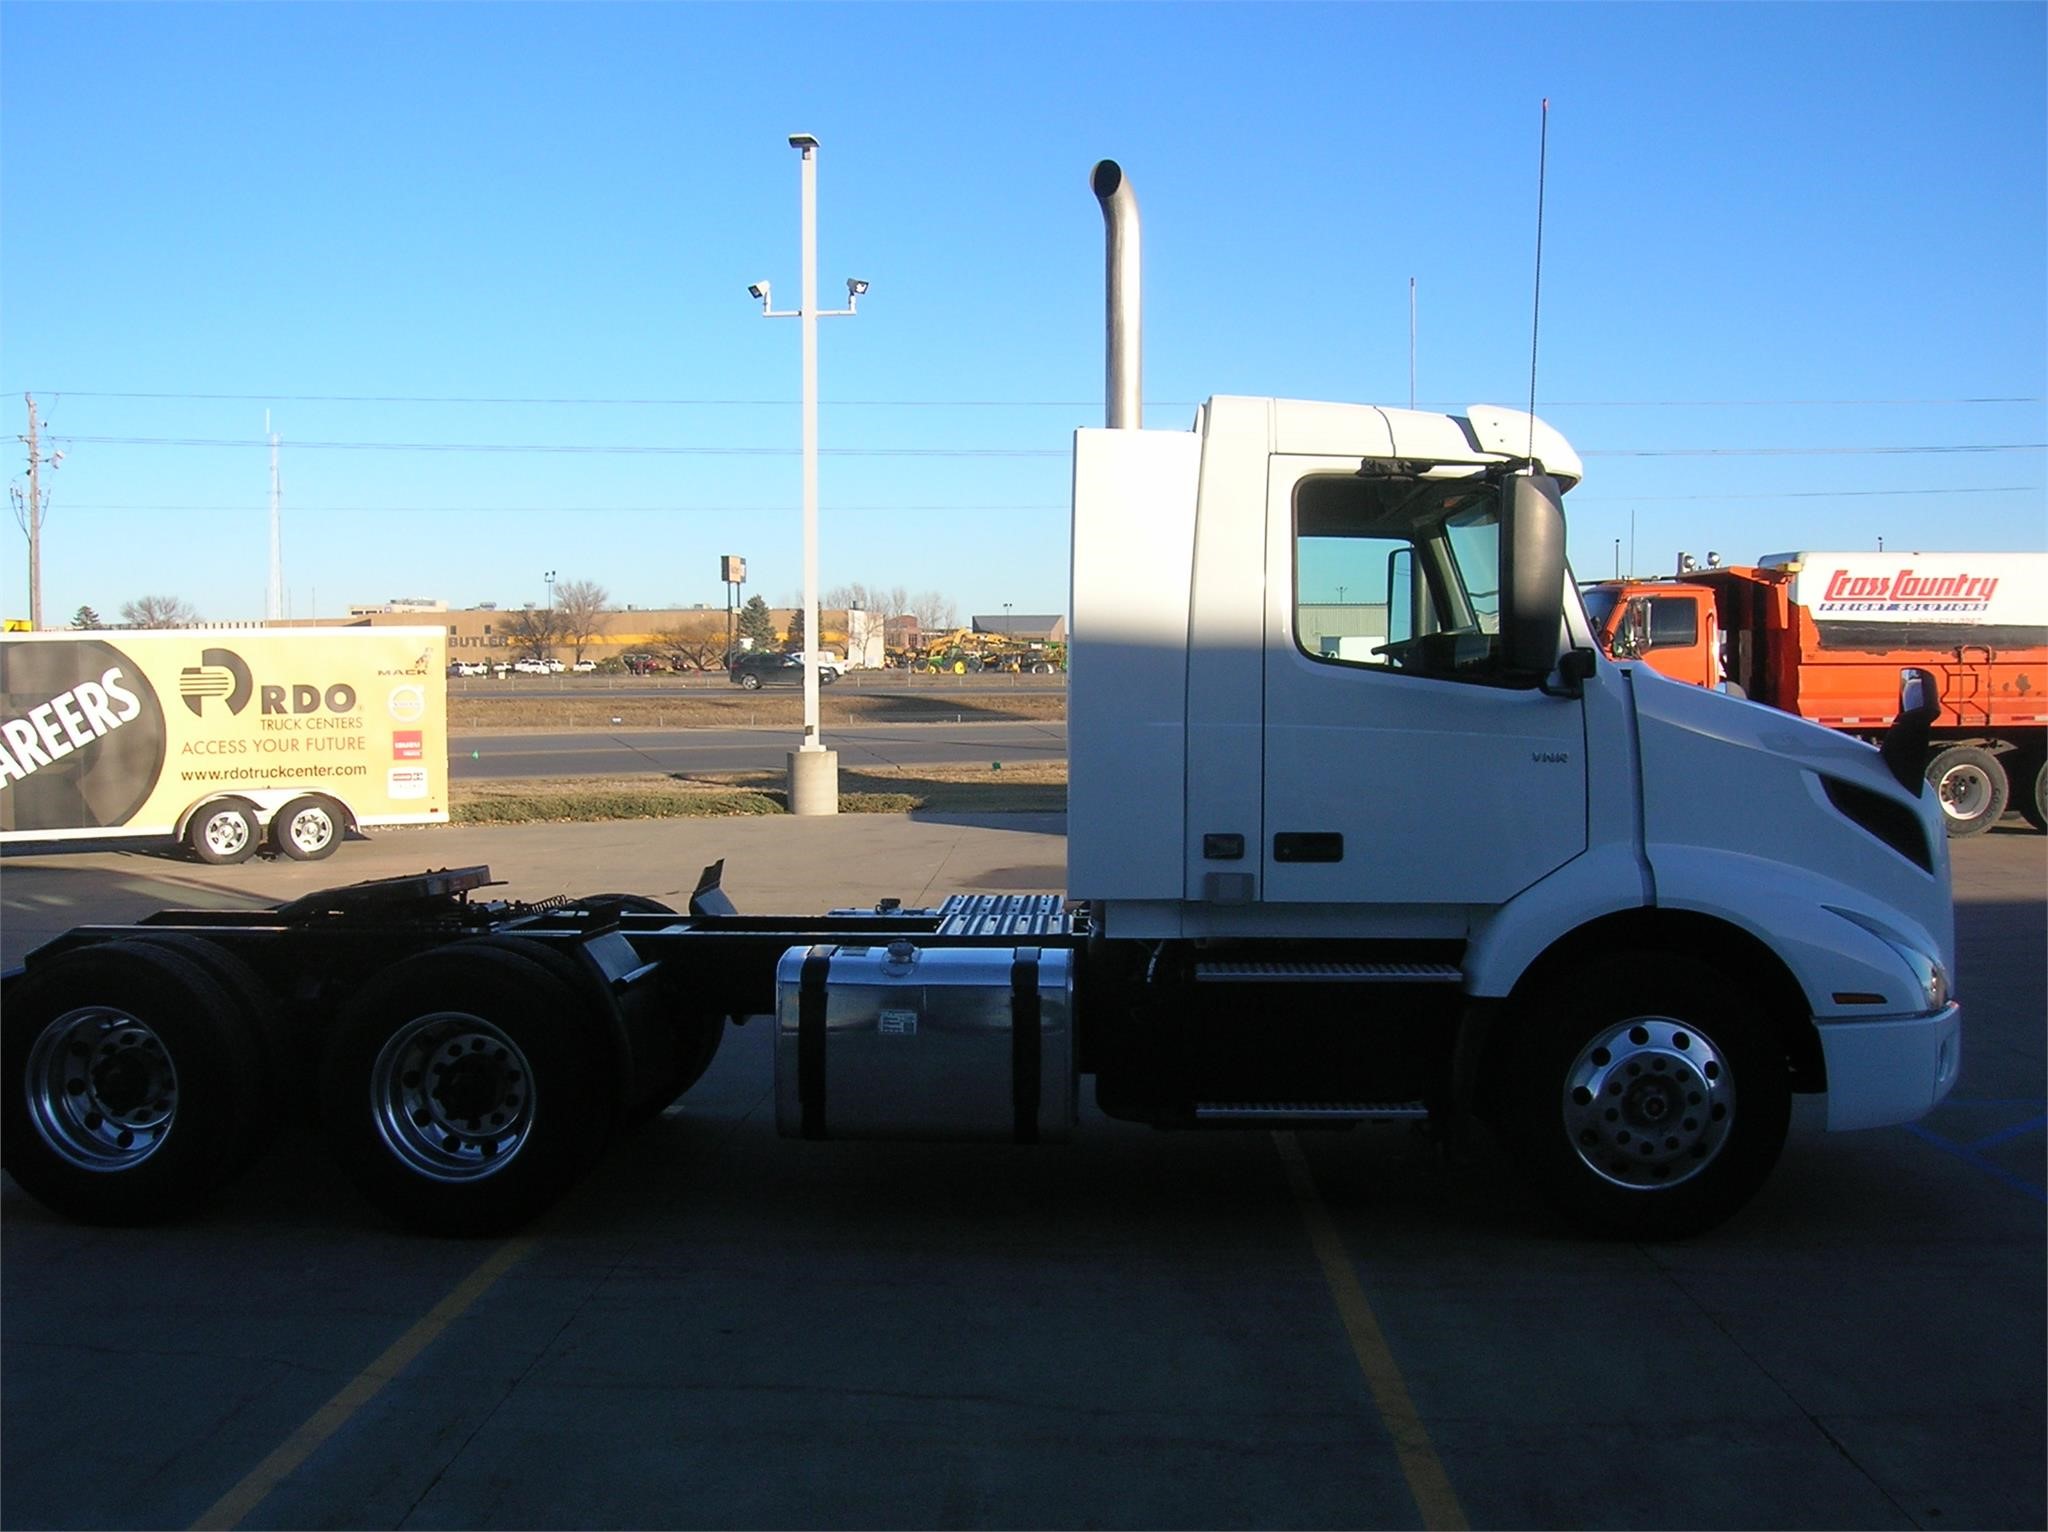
(1795,276)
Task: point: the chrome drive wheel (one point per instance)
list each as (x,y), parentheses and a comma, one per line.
(465,1087)
(452,1096)
(133,1081)
(101,1088)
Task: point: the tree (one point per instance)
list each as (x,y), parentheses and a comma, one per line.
(533,631)
(582,611)
(795,641)
(158,612)
(934,613)
(696,639)
(892,602)
(757,624)
(87,620)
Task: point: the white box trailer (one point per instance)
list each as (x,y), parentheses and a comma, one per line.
(1478,872)
(225,741)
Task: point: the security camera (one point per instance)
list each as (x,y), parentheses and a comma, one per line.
(758,290)
(855,287)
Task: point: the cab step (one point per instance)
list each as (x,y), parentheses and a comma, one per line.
(1285,1113)
(1328,973)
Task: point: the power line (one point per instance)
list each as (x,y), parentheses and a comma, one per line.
(629,450)
(562,510)
(979,404)
(1578,497)
(642,450)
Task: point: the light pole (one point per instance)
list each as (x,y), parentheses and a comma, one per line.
(813,770)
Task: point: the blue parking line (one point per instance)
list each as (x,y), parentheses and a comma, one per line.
(1977,1161)
(2018,1130)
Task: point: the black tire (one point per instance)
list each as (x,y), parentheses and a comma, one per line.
(465,1088)
(697,1036)
(1648,1096)
(2033,804)
(1971,786)
(751,682)
(223,833)
(281,1063)
(132,1083)
(309,829)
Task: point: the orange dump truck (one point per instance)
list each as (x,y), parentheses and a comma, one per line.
(1824,635)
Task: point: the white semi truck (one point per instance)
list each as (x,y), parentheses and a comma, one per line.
(1473,870)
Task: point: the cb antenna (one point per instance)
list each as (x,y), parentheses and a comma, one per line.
(1536,313)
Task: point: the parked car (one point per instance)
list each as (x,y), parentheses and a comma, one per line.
(469,668)
(533,667)
(762,668)
(584,667)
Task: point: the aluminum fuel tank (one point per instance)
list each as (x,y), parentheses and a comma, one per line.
(902,1041)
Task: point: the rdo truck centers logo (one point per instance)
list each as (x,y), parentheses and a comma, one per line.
(224,674)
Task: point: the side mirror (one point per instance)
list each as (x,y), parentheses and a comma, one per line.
(1904,747)
(1531,573)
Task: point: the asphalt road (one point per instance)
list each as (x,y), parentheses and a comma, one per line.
(723,1328)
(590,753)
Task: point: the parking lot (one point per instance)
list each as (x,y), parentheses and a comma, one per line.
(723,1328)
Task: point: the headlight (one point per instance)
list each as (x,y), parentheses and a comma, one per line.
(1927,973)
(1929,977)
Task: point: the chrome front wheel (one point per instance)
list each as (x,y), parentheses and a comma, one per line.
(1648,1102)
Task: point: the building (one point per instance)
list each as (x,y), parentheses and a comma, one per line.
(695,635)
(1024,628)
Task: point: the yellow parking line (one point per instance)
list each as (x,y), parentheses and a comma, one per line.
(228,1511)
(1427,1481)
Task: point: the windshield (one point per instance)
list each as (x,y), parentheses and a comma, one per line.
(1599,604)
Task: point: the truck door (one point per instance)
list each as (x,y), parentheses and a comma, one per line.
(1403,764)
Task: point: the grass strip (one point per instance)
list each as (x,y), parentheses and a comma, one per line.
(839,706)
(1035,788)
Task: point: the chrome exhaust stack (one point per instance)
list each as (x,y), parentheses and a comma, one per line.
(1123,396)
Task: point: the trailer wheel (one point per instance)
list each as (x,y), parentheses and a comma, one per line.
(310,828)
(2033,805)
(1971,787)
(1650,1098)
(464,1089)
(132,1083)
(223,833)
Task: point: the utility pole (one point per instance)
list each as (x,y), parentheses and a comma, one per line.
(28,510)
(273,606)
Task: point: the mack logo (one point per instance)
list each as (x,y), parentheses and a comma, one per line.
(1550,757)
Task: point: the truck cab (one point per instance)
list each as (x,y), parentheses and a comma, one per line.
(1354,756)
(1670,625)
